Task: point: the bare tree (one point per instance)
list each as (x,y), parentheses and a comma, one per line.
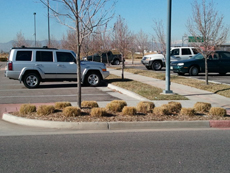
(121,39)
(142,41)
(159,38)
(133,46)
(207,28)
(20,40)
(85,16)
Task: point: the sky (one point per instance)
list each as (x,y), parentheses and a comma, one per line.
(18,16)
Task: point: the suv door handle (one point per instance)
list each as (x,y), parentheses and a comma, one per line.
(59,65)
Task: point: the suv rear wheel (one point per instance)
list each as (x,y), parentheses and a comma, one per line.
(116,62)
(157,65)
(93,79)
(31,80)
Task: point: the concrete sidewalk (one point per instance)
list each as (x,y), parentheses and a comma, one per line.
(194,95)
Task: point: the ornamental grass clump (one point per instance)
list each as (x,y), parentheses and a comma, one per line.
(218,111)
(188,112)
(27,108)
(129,110)
(202,107)
(160,111)
(45,110)
(98,112)
(89,104)
(116,105)
(145,107)
(62,105)
(176,106)
(71,111)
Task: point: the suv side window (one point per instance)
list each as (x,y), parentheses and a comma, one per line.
(175,52)
(186,51)
(24,56)
(65,57)
(225,55)
(44,56)
(195,51)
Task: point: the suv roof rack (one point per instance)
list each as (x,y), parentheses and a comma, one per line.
(24,47)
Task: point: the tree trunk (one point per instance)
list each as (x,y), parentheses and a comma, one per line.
(206,70)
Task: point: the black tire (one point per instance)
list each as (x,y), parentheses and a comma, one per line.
(116,62)
(31,80)
(182,74)
(92,79)
(222,74)
(148,67)
(193,71)
(156,65)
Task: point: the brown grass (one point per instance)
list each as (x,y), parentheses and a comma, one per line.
(62,105)
(160,110)
(188,112)
(129,110)
(98,112)
(89,104)
(71,111)
(145,106)
(202,107)
(217,111)
(45,110)
(27,108)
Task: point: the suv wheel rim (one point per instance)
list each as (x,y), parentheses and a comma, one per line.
(157,65)
(93,79)
(31,80)
(194,71)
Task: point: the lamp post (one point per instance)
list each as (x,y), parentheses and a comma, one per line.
(35,29)
(48,22)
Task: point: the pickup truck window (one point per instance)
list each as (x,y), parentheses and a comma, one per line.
(65,57)
(186,51)
(44,56)
(24,56)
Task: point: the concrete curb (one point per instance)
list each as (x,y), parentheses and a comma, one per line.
(105,125)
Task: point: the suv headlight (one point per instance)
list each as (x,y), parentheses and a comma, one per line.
(180,64)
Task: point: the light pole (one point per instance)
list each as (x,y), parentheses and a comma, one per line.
(48,22)
(35,29)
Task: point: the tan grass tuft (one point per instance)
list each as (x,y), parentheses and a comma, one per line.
(71,111)
(27,108)
(116,105)
(89,104)
(218,111)
(176,106)
(160,111)
(188,112)
(202,107)
(121,102)
(98,112)
(45,109)
(145,106)
(62,105)
(129,110)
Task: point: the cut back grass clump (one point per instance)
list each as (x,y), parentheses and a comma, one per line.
(202,107)
(188,112)
(145,106)
(89,104)
(160,110)
(27,108)
(129,110)
(116,105)
(62,105)
(176,106)
(98,112)
(45,110)
(71,111)
(218,111)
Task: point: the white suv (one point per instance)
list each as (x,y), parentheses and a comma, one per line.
(157,61)
(35,65)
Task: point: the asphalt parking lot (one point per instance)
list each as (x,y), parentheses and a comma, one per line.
(12,91)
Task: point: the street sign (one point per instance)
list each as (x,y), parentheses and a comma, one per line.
(195,39)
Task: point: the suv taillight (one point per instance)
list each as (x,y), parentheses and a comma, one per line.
(10,66)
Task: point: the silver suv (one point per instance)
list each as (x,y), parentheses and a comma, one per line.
(35,65)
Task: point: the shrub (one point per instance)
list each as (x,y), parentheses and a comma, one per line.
(202,107)
(160,111)
(116,105)
(90,104)
(98,112)
(27,108)
(71,111)
(129,110)
(176,106)
(169,107)
(218,111)
(188,111)
(145,106)
(45,109)
(62,105)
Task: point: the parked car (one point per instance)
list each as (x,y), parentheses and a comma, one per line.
(157,61)
(35,65)
(114,59)
(218,62)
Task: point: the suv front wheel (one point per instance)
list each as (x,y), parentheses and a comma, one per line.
(157,65)
(93,79)
(31,80)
